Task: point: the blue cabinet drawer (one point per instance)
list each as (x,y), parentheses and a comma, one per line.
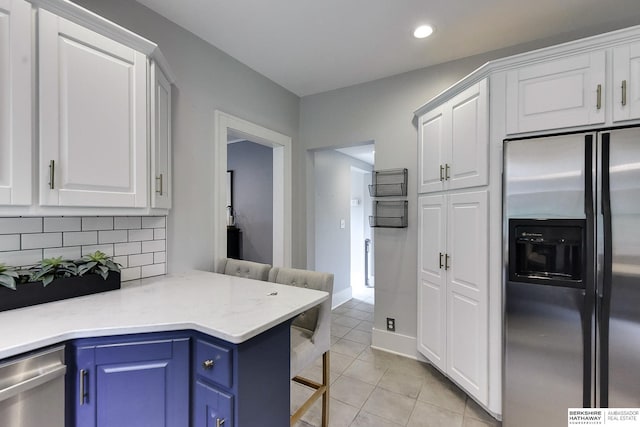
(214,362)
(212,408)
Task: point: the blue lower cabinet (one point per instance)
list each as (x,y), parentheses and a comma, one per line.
(242,385)
(130,381)
(212,407)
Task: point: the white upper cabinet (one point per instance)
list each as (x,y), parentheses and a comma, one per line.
(433,140)
(453,142)
(557,93)
(160,139)
(15,103)
(626,82)
(93,118)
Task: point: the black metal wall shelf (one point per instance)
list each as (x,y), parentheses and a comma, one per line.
(389,182)
(389,214)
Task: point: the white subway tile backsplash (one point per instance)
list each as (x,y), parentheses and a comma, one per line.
(21,258)
(153,270)
(137,243)
(127,248)
(159,257)
(78,238)
(122,260)
(140,259)
(72,252)
(153,246)
(112,236)
(9,242)
(20,225)
(131,273)
(138,235)
(153,222)
(41,240)
(90,223)
(105,249)
(52,224)
(127,222)
(159,233)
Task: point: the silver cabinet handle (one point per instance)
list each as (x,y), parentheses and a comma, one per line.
(599,97)
(441,173)
(208,364)
(219,422)
(160,179)
(624,92)
(446,261)
(52,174)
(440,260)
(83,388)
(446,168)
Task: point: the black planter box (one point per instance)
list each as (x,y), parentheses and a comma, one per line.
(32,293)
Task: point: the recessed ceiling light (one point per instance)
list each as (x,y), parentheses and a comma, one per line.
(423,31)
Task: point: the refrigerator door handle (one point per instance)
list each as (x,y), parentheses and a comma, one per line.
(605,292)
(588,271)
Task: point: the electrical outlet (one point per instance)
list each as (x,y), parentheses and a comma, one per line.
(391,324)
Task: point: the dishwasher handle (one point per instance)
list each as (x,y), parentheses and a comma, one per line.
(9,392)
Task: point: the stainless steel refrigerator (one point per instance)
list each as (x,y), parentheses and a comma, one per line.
(572,275)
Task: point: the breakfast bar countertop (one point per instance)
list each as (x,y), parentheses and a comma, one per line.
(226,307)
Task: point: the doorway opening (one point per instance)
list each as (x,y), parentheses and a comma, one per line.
(250,200)
(228,127)
(340,209)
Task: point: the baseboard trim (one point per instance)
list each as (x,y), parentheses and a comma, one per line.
(341,297)
(392,342)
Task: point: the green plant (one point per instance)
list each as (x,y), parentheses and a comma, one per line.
(8,276)
(97,263)
(52,268)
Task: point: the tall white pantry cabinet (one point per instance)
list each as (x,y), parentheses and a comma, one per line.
(453,228)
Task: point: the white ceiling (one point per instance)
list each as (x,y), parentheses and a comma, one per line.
(315,46)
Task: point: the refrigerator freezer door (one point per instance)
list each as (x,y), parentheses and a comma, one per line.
(544,177)
(624,322)
(543,355)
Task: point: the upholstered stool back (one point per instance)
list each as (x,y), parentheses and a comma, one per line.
(241,268)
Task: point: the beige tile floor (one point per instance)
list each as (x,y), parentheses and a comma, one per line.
(371,388)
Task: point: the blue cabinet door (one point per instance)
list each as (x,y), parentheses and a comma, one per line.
(212,407)
(143,382)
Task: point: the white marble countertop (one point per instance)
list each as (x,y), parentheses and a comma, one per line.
(230,308)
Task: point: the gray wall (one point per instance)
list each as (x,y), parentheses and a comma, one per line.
(206,79)
(252,166)
(332,171)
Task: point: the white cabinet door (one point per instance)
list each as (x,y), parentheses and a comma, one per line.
(93,118)
(558,93)
(467,292)
(433,144)
(626,82)
(15,103)
(453,142)
(469,155)
(432,217)
(160,139)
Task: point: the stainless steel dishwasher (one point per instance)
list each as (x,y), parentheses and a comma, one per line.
(32,389)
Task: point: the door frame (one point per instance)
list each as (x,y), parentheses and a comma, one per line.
(281,144)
